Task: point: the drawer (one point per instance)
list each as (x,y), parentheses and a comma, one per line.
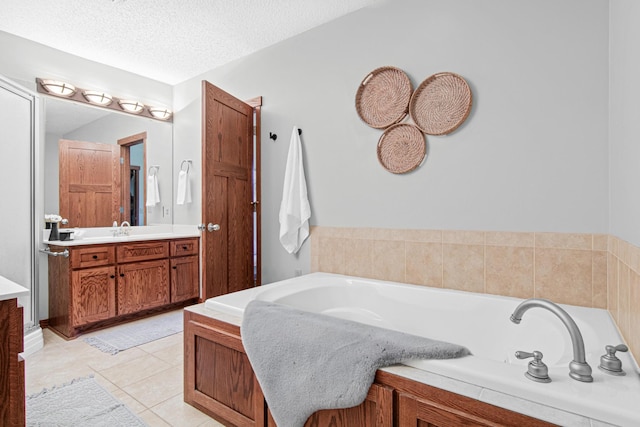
(184,247)
(143,251)
(92,256)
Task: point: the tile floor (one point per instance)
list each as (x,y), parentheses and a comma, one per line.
(146,378)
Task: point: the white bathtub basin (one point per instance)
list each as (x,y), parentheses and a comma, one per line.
(481,323)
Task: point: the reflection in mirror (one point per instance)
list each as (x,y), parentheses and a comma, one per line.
(139,143)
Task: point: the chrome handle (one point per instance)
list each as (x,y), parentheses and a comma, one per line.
(47,251)
(201,227)
(609,363)
(213,227)
(536,370)
(611,350)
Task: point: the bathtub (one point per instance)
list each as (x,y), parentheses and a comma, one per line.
(481,323)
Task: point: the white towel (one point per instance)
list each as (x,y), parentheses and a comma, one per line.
(294,209)
(153,193)
(184,188)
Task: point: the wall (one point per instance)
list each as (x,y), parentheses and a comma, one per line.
(531,157)
(624,149)
(590,270)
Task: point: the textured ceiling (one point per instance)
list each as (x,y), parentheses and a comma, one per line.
(169,40)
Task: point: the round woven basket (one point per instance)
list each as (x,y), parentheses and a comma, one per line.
(441,103)
(383,97)
(401,148)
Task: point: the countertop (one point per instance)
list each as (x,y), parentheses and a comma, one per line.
(102,235)
(9,289)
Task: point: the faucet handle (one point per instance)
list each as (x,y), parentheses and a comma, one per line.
(536,370)
(609,363)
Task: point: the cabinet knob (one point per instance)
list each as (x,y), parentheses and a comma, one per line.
(113,276)
(184,248)
(121,274)
(95,257)
(175,267)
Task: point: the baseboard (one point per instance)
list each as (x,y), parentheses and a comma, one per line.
(33,341)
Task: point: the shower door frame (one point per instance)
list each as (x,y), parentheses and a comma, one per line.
(31,324)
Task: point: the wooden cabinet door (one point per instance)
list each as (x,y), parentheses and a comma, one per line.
(375,411)
(185,283)
(142,286)
(458,411)
(219,379)
(93,295)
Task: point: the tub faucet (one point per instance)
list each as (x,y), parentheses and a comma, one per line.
(579,369)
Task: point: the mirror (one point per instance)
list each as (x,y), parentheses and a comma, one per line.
(68,120)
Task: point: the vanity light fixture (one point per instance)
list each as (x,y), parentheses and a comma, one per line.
(98,98)
(160,113)
(58,88)
(131,106)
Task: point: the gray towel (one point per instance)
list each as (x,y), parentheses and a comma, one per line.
(306,361)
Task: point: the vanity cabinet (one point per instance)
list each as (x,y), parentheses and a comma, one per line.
(220,382)
(103,284)
(12,386)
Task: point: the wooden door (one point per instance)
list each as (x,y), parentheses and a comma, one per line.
(227,193)
(89,183)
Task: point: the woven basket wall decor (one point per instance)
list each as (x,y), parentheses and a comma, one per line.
(383,97)
(401,148)
(441,103)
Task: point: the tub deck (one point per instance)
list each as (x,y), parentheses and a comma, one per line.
(481,323)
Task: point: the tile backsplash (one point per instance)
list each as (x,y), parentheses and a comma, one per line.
(592,270)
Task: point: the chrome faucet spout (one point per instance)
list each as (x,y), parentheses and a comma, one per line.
(579,369)
(124,228)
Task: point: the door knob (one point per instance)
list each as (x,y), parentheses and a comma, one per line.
(201,227)
(213,227)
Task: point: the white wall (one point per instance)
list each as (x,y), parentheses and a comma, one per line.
(624,117)
(532,155)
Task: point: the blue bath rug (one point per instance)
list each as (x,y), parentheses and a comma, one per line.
(123,337)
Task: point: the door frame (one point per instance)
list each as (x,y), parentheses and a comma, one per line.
(256,103)
(125,163)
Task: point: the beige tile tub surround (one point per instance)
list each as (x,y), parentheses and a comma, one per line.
(592,270)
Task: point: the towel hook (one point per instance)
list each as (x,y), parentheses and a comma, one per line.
(153,170)
(188,163)
(273,136)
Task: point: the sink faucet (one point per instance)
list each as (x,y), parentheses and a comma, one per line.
(579,369)
(124,228)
